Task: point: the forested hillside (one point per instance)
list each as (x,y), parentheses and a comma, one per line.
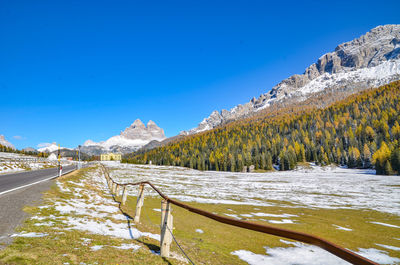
(7,149)
(361,131)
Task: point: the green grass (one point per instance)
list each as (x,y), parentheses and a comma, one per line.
(219,240)
(66,246)
(214,246)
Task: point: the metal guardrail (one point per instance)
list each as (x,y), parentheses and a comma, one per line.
(24,160)
(336,250)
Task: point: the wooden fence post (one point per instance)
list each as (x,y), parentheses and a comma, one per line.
(114,187)
(166,228)
(139,203)
(124,194)
(117,190)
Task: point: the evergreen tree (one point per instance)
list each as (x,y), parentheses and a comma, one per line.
(395,160)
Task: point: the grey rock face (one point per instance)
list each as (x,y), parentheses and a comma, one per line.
(6,143)
(139,131)
(155,131)
(131,139)
(368,61)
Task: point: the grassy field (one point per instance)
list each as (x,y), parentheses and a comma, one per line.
(62,245)
(215,245)
(64,236)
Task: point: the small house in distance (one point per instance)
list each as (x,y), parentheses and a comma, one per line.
(110,156)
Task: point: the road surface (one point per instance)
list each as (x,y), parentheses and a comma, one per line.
(13,181)
(18,190)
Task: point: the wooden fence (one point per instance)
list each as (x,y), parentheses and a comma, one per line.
(167,222)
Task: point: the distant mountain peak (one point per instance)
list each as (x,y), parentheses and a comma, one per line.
(51,148)
(137,124)
(6,143)
(139,131)
(371,60)
(151,123)
(129,140)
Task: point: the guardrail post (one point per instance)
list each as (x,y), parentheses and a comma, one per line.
(139,203)
(124,194)
(166,228)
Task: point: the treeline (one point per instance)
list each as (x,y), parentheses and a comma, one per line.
(7,149)
(361,131)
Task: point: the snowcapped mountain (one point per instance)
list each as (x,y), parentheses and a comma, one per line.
(369,61)
(51,148)
(129,140)
(6,143)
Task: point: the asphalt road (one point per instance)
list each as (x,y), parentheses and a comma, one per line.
(9,182)
(13,198)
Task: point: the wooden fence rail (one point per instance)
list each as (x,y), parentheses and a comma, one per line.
(166,223)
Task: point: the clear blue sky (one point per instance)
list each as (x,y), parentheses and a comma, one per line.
(77,70)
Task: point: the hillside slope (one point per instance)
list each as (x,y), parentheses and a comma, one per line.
(369,61)
(361,131)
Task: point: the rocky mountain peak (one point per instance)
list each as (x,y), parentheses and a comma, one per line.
(151,124)
(137,124)
(139,131)
(368,61)
(89,143)
(129,140)
(4,142)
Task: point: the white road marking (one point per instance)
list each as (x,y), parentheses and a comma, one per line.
(27,185)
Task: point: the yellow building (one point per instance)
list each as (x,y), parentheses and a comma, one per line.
(110,156)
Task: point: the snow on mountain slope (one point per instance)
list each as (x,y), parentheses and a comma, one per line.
(6,143)
(131,139)
(51,148)
(369,61)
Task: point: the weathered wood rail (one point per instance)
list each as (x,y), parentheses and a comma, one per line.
(167,222)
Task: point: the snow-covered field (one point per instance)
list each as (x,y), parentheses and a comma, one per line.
(327,188)
(313,188)
(11,162)
(88,207)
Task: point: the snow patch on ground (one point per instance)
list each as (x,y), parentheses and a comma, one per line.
(97,247)
(199,231)
(338,227)
(378,256)
(61,187)
(50,223)
(385,224)
(315,187)
(232,215)
(388,247)
(86,241)
(31,234)
(107,228)
(128,246)
(11,163)
(302,254)
(285,215)
(246,215)
(283,221)
(80,213)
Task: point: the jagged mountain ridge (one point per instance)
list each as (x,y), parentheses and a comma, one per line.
(369,61)
(131,139)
